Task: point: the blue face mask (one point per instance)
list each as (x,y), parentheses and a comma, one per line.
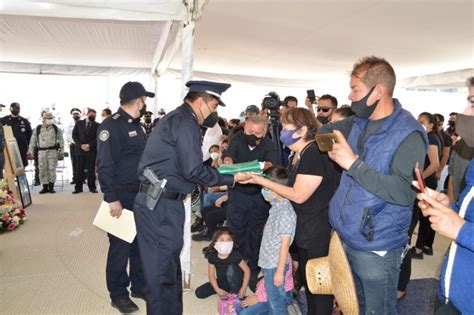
(286,137)
(268,196)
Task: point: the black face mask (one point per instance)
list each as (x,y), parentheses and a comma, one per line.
(143,110)
(15,112)
(322,119)
(252,140)
(361,109)
(451,123)
(76,117)
(148,120)
(210,120)
(91,118)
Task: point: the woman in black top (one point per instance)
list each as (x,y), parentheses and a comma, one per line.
(311,185)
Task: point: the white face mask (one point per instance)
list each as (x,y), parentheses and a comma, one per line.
(214,156)
(224,248)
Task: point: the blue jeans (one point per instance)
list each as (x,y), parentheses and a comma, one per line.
(209,199)
(277,298)
(263,308)
(376,279)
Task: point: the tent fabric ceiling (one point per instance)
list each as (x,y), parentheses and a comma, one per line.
(321,39)
(78,41)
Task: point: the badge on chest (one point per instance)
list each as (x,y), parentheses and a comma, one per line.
(132,133)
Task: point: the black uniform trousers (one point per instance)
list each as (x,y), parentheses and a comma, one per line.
(118,257)
(72,153)
(160,237)
(246,217)
(85,161)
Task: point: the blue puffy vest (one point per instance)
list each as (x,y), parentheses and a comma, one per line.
(363,220)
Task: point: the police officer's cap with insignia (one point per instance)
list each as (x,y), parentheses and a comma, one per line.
(75,111)
(133,90)
(212,88)
(148,114)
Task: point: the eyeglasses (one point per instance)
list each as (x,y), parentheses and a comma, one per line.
(324,109)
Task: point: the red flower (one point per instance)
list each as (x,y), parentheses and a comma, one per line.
(11,226)
(5,217)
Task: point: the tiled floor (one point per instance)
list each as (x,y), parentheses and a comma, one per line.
(55,263)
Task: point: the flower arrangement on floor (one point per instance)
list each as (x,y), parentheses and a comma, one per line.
(12,215)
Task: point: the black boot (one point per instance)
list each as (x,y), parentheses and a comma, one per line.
(198,225)
(45,189)
(51,188)
(203,236)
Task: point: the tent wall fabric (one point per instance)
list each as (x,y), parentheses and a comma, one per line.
(450,79)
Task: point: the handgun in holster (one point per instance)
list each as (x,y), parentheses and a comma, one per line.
(157,187)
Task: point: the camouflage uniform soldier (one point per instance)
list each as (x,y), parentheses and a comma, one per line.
(49,141)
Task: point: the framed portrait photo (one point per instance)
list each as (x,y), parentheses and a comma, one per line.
(24,190)
(15,157)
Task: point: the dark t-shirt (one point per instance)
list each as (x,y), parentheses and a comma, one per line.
(221,264)
(240,152)
(433,139)
(312,223)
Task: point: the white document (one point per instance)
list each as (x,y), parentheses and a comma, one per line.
(123,227)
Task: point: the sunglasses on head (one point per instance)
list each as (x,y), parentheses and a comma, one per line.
(324,109)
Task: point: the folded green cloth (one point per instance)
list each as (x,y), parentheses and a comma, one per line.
(254,166)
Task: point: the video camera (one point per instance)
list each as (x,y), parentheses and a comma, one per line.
(272,102)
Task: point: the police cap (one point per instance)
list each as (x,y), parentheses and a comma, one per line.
(75,110)
(212,88)
(252,109)
(133,90)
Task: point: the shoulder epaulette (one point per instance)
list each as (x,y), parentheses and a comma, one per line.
(116,116)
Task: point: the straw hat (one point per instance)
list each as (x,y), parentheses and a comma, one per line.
(332,275)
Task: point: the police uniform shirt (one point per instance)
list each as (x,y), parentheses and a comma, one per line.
(21,128)
(121,141)
(173,152)
(240,152)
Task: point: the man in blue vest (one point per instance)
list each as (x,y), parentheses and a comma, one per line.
(372,207)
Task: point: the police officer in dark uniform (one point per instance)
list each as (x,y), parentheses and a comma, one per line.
(148,124)
(247,210)
(21,130)
(121,141)
(173,152)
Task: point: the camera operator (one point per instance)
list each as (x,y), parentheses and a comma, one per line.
(247,210)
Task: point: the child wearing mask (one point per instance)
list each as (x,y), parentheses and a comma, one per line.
(227,271)
(274,258)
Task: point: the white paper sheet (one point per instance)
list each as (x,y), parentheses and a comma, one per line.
(123,227)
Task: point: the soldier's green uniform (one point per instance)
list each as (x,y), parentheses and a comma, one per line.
(48,138)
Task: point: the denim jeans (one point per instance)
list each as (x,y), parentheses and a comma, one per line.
(209,199)
(263,308)
(376,279)
(231,284)
(277,298)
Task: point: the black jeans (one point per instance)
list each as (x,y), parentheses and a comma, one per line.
(213,216)
(231,284)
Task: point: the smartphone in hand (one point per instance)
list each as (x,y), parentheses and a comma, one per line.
(325,141)
(421,182)
(310,95)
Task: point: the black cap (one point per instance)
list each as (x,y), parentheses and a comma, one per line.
(75,110)
(133,90)
(212,88)
(148,113)
(252,109)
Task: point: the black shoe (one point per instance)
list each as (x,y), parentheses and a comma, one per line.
(197,225)
(45,189)
(94,191)
(415,255)
(138,295)
(125,305)
(77,192)
(203,236)
(51,188)
(428,251)
(37,183)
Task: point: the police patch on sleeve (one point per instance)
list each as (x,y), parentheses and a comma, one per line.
(104,135)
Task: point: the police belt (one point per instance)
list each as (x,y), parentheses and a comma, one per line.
(166,194)
(48,148)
